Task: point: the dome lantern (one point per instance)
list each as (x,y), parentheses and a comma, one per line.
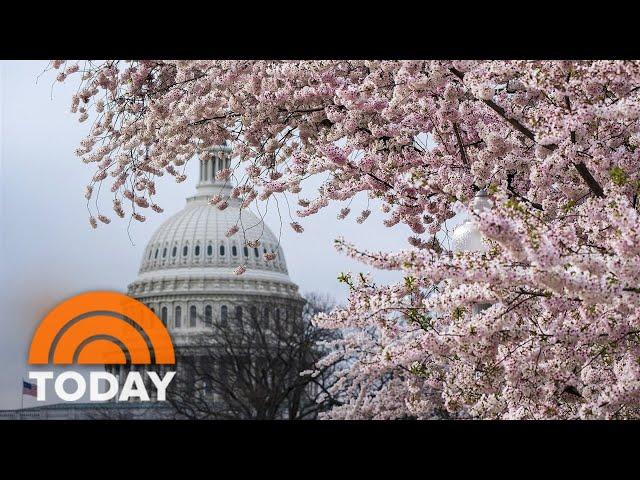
(212,162)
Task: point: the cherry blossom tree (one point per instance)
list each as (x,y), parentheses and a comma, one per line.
(555,143)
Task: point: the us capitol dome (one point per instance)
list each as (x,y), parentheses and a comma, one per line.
(187,272)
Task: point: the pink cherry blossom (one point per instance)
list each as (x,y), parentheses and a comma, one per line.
(232,231)
(543,323)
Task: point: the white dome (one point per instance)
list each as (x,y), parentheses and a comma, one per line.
(196,238)
(466,236)
(191,252)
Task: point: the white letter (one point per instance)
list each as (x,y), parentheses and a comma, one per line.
(161,385)
(139,391)
(41,378)
(94,386)
(80,383)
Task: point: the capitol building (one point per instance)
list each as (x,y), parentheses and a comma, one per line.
(187,271)
(187,278)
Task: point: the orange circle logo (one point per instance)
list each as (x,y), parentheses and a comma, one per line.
(101,328)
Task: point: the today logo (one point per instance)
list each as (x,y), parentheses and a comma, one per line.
(98,328)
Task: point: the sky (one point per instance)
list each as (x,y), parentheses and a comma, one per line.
(49,252)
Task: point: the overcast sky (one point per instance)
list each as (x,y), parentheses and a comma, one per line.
(49,251)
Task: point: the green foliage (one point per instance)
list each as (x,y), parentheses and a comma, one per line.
(410,283)
(418,369)
(346,278)
(458,313)
(424,321)
(618,176)
(515,205)
(570,204)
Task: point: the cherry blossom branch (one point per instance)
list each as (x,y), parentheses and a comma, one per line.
(582,169)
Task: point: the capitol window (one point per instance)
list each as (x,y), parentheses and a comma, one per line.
(156,255)
(185,250)
(239,314)
(164,316)
(234,251)
(208,315)
(164,253)
(276,319)
(222,250)
(178,319)
(256,252)
(174,252)
(197,252)
(224,314)
(246,251)
(209,250)
(192,316)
